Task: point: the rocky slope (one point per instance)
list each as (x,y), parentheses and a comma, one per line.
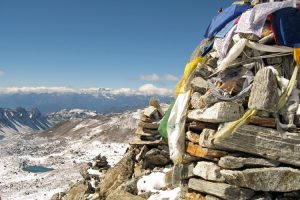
(70,114)
(64,147)
(20,121)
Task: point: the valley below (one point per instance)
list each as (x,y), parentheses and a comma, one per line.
(63,148)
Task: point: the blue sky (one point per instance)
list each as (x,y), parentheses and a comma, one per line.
(99,43)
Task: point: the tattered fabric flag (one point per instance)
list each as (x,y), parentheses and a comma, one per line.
(297,56)
(162,129)
(223,18)
(189,68)
(285,24)
(176,127)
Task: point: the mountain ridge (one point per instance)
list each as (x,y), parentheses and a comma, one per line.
(20,120)
(102,100)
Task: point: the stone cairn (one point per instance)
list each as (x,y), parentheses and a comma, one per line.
(150,149)
(257,160)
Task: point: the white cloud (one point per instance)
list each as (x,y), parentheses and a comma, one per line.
(170,77)
(147,89)
(12,90)
(149,77)
(1,72)
(150,89)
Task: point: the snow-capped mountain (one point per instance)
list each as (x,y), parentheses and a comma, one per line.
(70,114)
(102,100)
(20,120)
(117,127)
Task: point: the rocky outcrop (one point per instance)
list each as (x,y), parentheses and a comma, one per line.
(279,179)
(20,119)
(114,177)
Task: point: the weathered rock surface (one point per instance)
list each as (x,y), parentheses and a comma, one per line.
(150,112)
(199,85)
(231,162)
(141,154)
(210,197)
(153,125)
(123,195)
(182,172)
(195,100)
(146,131)
(194,196)
(208,171)
(199,126)
(58,196)
(193,137)
(77,192)
(262,121)
(117,175)
(84,170)
(222,190)
(198,151)
(154,102)
(280,179)
(156,157)
(219,112)
(264,94)
(203,70)
(265,142)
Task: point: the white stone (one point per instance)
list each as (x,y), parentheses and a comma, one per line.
(218,113)
(208,171)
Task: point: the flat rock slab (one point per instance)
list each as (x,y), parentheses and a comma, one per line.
(203,70)
(261,141)
(262,121)
(138,142)
(154,102)
(183,171)
(218,113)
(199,84)
(208,171)
(280,179)
(156,157)
(199,126)
(264,94)
(232,162)
(123,195)
(198,151)
(193,137)
(222,190)
(150,112)
(195,100)
(153,125)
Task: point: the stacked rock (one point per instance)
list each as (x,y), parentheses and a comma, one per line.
(92,173)
(100,163)
(242,127)
(151,150)
(147,128)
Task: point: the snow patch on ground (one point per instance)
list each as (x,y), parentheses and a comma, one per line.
(18,184)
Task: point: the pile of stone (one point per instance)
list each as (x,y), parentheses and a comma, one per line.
(260,158)
(92,173)
(151,150)
(147,128)
(242,126)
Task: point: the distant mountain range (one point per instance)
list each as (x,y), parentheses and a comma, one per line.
(20,120)
(101,100)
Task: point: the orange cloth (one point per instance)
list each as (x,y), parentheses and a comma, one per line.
(297,56)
